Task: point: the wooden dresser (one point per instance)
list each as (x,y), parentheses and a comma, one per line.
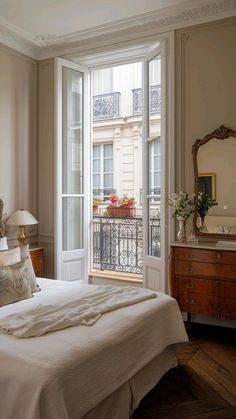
(203,279)
(36,254)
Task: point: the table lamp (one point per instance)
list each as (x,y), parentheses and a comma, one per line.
(21,218)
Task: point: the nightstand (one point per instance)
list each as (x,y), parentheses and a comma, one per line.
(36,254)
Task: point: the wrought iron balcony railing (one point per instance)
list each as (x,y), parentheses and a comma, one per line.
(106,106)
(118,243)
(155,100)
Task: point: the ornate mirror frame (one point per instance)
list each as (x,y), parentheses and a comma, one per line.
(221,133)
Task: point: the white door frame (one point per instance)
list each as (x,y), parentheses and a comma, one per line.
(160,265)
(93,61)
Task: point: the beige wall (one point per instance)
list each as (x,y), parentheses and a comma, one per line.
(46,163)
(205,88)
(18,160)
(205,99)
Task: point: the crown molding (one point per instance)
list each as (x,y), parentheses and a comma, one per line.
(17,40)
(151,23)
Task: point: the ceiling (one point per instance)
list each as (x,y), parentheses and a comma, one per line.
(49,28)
(49,18)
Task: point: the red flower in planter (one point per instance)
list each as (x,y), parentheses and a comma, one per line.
(121,207)
(121,202)
(113,199)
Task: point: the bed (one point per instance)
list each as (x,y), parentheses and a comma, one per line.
(90,372)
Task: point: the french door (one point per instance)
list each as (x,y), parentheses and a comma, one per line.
(155,214)
(73,115)
(72,170)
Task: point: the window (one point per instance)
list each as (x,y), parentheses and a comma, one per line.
(103,170)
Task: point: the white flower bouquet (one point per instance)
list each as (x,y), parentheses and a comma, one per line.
(182,205)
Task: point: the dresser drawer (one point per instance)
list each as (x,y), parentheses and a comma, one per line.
(228,290)
(228,308)
(212,306)
(189,284)
(203,255)
(213,270)
(197,303)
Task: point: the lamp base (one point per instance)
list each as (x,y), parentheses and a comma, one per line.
(22,237)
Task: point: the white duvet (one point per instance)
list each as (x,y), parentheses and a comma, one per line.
(65,374)
(79,306)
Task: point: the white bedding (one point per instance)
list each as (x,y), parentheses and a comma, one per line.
(65,374)
(77,306)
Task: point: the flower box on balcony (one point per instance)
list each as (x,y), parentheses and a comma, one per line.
(119,212)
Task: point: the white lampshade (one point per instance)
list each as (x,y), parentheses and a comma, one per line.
(21,218)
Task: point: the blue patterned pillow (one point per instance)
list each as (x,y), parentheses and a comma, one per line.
(14,283)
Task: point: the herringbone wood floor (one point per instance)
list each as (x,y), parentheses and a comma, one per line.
(203,386)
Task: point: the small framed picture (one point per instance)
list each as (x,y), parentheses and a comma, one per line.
(207,184)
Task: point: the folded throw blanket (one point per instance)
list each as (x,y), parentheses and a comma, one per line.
(82,309)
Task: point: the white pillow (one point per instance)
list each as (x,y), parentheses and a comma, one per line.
(3,243)
(9,257)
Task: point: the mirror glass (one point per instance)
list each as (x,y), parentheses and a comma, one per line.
(216,165)
(217,177)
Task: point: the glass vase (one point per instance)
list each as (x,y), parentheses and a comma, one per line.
(181,235)
(203,227)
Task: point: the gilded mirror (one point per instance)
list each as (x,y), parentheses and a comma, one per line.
(214,159)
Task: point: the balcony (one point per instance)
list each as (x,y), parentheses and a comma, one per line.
(118,243)
(155,100)
(106,106)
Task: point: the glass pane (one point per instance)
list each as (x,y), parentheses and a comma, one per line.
(154,97)
(96,165)
(157,162)
(154,157)
(108,180)
(96,151)
(72,128)
(72,223)
(108,150)
(157,179)
(157,146)
(150,168)
(96,181)
(108,165)
(154,229)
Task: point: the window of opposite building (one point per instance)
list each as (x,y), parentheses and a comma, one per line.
(155,168)
(103,170)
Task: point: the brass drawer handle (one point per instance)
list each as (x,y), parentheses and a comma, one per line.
(218,256)
(190,286)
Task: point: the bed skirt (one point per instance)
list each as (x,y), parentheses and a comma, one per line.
(122,403)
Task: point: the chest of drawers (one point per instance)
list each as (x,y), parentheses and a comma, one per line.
(203,281)
(37,260)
